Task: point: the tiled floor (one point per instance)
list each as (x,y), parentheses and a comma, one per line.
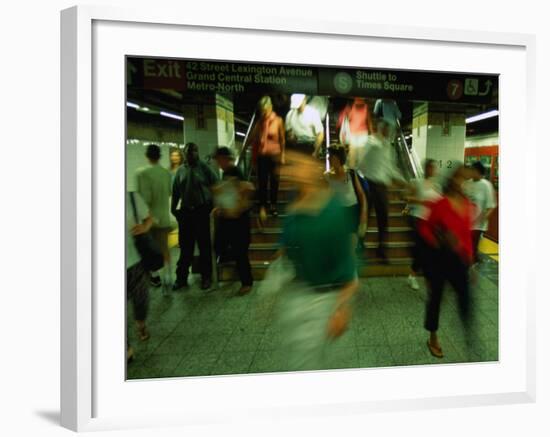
(195,333)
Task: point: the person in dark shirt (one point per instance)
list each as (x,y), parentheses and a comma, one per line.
(191,205)
(233,229)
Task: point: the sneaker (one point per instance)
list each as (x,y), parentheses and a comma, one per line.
(179,284)
(155,281)
(206,283)
(245,289)
(413,283)
(381,254)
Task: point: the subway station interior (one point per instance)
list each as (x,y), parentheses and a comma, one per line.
(447,118)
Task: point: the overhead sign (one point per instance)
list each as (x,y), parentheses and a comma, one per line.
(406,85)
(236,78)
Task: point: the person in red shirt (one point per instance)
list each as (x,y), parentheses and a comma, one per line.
(354,126)
(449,251)
(268,153)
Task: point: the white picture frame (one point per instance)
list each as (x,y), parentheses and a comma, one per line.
(83,184)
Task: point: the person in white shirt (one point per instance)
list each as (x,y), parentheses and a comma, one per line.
(379,169)
(304,128)
(420,191)
(154,184)
(482,194)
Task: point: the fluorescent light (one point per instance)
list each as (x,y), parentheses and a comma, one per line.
(240,134)
(483,116)
(144,109)
(170,115)
(132,105)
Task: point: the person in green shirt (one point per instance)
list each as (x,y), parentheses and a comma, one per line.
(316,307)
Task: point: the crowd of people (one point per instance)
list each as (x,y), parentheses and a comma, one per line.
(325,222)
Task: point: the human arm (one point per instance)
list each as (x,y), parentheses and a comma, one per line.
(176,193)
(318,142)
(339,320)
(143,227)
(319,132)
(282,140)
(144,187)
(369,121)
(426,228)
(491,202)
(143,219)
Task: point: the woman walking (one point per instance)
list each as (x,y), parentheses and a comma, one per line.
(449,250)
(268,153)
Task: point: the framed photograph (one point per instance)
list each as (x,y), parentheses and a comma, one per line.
(268,219)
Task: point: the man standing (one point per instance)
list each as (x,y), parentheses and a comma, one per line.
(154,186)
(233,208)
(304,128)
(482,194)
(191,205)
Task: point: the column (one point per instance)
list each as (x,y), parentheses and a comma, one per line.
(439,132)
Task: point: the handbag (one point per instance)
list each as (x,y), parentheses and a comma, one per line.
(151,256)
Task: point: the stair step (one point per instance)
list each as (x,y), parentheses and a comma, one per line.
(273,235)
(395,219)
(394,249)
(395,234)
(395,267)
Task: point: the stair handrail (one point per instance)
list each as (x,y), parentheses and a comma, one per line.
(410,154)
(242,154)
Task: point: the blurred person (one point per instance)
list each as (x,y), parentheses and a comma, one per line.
(233,229)
(268,153)
(137,279)
(316,305)
(449,251)
(176,161)
(304,128)
(191,204)
(346,185)
(387,110)
(482,194)
(154,185)
(378,167)
(354,126)
(421,191)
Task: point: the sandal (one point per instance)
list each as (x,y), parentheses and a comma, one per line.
(434,350)
(143,334)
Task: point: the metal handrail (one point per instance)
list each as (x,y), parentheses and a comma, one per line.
(244,149)
(410,154)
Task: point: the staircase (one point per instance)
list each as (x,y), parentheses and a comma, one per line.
(264,242)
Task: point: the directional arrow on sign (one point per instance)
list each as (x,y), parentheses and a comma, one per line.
(488,85)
